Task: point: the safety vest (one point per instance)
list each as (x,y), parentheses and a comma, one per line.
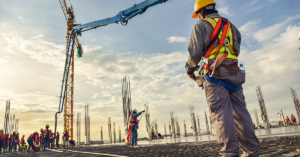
(287,118)
(22,140)
(211,53)
(2,137)
(133,121)
(293,118)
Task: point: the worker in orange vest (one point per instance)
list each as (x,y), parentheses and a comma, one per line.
(287,120)
(134,125)
(293,118)
(213,49)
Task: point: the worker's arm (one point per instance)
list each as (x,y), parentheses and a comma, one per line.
(200,38)
(134,116)
(123,16)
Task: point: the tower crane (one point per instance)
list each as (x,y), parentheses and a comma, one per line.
(68,100)
(66,94)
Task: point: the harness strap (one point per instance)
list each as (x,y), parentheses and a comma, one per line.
(214,36)
(231,88)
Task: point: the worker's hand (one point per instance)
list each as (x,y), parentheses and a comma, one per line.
(190,73)
(143,111)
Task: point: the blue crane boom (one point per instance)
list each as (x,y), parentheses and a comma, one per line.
(122,17)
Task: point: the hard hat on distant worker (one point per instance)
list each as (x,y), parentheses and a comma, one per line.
(41,129)
(14,132)
(134,111)
(1,130)
(201,4)
(47,126)
(7,133)
(57,132)
(17,133)
(23,135)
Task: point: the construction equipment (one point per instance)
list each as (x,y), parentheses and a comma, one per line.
(68,100)
(66,95)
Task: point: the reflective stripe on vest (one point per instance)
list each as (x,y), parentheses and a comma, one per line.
(134,121)
(231,56)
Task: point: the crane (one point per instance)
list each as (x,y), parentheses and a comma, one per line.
(68,100)
(66,94)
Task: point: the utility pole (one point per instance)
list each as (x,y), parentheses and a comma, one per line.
(261,101)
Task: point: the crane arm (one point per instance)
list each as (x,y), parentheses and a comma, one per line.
(123,17)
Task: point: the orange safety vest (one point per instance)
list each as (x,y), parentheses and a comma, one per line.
(2,137)
(287,118)
(293,118)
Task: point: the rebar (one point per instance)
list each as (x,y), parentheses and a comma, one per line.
(109,130)
(148,124)
(193,120)
(198,124)
(173,124)
(126,98)
(6,118)
(207,125)
(184,128)
(296,102)
(261,101)
(78,128)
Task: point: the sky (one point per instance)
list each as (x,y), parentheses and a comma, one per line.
(151,50)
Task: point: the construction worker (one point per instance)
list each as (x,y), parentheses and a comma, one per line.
(23,142)
(17,142)
(42,142)
(134,125)
(152,133)
(221,78)
(47,136)
(57,139)
(287,120)
(6,142)
(2,140)
(293,118)
(10,143)
(66,138)
(31,140)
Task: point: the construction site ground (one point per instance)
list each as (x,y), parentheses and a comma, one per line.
(270,146)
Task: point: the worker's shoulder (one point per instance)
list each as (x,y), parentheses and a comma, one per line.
(202,25)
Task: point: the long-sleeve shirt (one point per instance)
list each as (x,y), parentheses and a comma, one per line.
(200,39)
(57,136)
(135,116)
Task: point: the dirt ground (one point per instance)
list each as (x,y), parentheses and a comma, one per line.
(274,146)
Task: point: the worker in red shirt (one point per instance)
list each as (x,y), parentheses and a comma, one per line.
(293,118)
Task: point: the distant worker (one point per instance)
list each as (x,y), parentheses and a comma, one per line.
(42,142)
(72,143)
(215,41)
(47,137)
(6,143)
(134,125)
(17,142)
(287,120)
(14,142)
(66,139)
(280,123)
(57,139)
(23,144)
(31,140)
(51,139)
(293,118)
(10,143)
(2,140)
(160,136)
(152,134)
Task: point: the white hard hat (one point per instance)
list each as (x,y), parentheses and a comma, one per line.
(134,111)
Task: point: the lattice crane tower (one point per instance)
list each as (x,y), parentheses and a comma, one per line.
(68,101)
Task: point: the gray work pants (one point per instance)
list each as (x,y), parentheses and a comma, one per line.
(231,118)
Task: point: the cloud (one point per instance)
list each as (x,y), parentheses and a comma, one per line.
(95,96)
(273,31)
(173,39)
(22,19)
(225,10)
(4,24)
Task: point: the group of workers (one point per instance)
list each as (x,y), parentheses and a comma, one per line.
(293,120)
(46,139)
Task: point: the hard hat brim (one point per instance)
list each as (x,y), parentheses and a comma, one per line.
(195,15)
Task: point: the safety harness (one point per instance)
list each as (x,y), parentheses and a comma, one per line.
(224,51)
(133,122)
